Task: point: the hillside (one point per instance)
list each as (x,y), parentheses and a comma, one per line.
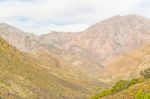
(112,37)
(126,68)
(52,44)
(130,64)
(24,77)
(101,42)
(136,91)
(137,88)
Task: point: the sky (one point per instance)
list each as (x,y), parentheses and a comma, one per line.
(43,16)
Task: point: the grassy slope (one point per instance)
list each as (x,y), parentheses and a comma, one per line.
(131,92)
(22,77)
(128,67)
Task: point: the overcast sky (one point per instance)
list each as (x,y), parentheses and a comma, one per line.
(43,16)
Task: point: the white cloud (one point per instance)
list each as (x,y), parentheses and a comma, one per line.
(41,16)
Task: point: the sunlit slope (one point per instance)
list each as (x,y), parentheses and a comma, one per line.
(125,70)
(130,64)
(137,91)
(23,77)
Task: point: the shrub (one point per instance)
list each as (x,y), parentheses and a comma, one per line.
(102,94)
(147,96)
(141,95)
(133,81)
(120,85)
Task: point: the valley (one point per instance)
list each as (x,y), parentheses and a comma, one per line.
(65,65)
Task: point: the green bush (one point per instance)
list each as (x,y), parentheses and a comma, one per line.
(102,94)
(123,84)
(133,81)
(120,85)
(141,95)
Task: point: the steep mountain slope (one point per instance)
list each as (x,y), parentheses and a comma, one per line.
(56,39)
(24,77)
(129,65)
(51,44)
(112,37)
(126,68)
(89,51)
(134,92)
(100,43)
(21,40)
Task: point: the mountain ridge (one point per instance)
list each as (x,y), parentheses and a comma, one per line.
(100,43)
(83,61)
(87,51)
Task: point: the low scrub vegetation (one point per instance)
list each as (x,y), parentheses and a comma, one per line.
(124,84)
(141,95)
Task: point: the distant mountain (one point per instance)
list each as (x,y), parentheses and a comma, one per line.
(52,44)
(82,61)
(112,37)
(21,40)
(103,41)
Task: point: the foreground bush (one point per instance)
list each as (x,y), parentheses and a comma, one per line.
(120,85)
(141,95)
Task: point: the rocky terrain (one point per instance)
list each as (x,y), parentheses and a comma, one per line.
(102,41)
(95,58)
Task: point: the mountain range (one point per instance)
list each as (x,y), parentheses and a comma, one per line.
(65,65)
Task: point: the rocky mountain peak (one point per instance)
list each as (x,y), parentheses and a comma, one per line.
(101,41)
(9,27)
(120,21)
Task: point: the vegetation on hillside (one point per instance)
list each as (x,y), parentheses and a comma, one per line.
(141,95)
(129,67)
(124,85)
(22,77)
